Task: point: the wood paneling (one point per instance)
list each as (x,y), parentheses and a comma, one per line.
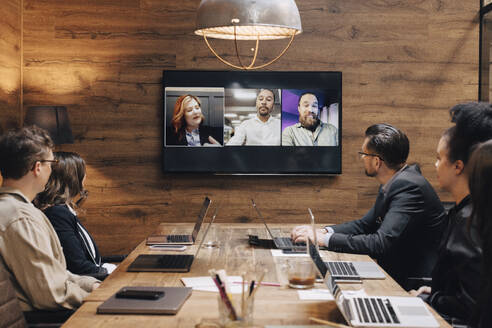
(403,62)
(10,64)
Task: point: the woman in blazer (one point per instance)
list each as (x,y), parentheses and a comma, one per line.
(187,125)
(57,202)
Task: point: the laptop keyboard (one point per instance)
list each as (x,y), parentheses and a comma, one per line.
(175,261)
(342,269)
(287,242)
(178,238)
(375,310)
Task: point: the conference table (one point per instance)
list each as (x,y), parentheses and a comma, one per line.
(273,305)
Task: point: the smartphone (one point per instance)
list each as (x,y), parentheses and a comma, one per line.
(140,294)
(169,247)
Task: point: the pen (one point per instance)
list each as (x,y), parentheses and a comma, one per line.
(251,286)
(225,298)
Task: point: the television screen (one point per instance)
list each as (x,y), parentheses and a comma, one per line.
(243,122)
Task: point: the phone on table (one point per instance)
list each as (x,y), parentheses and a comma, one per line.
(168,247)
(140,294)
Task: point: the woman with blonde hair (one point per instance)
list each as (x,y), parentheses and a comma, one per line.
(187,125)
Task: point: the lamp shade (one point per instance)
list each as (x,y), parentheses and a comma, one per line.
(53,119)
(248,19)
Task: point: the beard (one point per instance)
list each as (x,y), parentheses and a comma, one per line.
(309,122)
(263,113)
(370,174)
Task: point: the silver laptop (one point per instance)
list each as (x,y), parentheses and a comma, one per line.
(182,239)
(374,311)
(168,262)
(280,242)
(350,271)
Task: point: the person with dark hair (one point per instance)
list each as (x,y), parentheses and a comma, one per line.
(29,246)
(261,130)
(401,231)
(309,131)
(480,184)
(456,277)
(57,201)
(187,125)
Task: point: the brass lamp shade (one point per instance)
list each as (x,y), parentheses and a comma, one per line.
(248,20)
(53,119)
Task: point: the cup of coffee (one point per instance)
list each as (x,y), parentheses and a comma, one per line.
(301,273)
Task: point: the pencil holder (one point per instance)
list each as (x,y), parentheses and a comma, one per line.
(244,312)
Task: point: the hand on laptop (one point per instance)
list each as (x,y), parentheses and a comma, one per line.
(301,233)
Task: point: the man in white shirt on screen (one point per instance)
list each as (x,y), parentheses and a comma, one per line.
(261,130)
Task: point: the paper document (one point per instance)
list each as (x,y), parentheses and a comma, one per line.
(206,284)
(315,295)
(279,253)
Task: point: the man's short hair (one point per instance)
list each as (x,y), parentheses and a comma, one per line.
(20,149)
(473,125)
(389,143)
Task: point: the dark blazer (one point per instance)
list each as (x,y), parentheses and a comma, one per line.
(205,131)
(73,241)
(401,231)
(456,277)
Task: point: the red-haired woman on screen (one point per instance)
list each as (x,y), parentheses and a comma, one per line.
(187,125)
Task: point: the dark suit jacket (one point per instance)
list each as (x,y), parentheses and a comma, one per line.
(456,276)
(401,231)
(204,131)
(73,241)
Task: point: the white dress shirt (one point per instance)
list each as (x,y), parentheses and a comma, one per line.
(255,132)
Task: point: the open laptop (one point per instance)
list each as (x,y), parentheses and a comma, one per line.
(350,271)
(374,311)
(280,242)
(168,262)
(182,239)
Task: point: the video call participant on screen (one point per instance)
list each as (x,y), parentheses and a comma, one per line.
(261,130)
(29,246)
(57,201)
(187,125)
(403,228)
(456,276)
(309,131)
(480,184)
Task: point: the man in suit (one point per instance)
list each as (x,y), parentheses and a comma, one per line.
(402,230)
(29,246)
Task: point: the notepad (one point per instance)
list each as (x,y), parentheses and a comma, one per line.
(206,284)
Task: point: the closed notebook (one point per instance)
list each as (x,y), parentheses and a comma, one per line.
(170,303)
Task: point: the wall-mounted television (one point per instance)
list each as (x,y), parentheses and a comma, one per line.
(244,122)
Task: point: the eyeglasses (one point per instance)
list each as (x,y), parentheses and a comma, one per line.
(362,154)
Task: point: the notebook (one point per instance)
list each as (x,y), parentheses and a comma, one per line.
(182,239)
(169,303)
(280,242)
(168,262)
(360,310)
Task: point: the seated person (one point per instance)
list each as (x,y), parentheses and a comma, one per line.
(402,230)
(57,202)
(187,125)
(29,245)
(480,184)
(456,276)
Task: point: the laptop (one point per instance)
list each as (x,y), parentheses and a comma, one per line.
(350,271)
(280,242)
(170,301)
(374,311)
(182,239)
(168,262)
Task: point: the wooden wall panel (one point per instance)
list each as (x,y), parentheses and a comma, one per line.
(403,62)
(10,64)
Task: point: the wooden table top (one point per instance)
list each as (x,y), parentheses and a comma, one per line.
(273,305)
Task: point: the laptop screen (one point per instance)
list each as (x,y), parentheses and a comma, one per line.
(201,215)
